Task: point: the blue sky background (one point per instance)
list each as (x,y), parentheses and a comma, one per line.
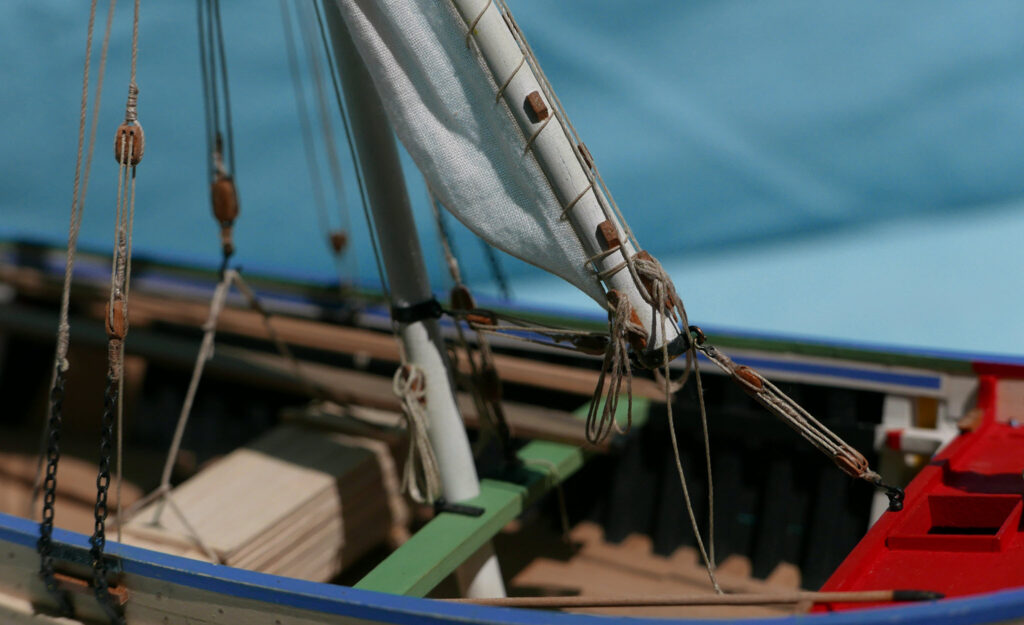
(851,171)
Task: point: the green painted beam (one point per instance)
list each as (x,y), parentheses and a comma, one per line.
(440,546)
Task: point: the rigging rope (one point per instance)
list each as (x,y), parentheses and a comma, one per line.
(668,306)
(308,23)
(336,238)
(848,459)
(221,166)
(348,139)
(484,383)
(163,492)
(50,443)
(308,143)
(129,147)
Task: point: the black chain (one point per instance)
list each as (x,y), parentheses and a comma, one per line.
(45,543)
(99,538)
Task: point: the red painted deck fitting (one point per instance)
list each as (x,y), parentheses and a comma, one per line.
(960,532)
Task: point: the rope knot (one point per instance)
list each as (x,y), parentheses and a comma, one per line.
(661,293)
(421,477)
(625,323)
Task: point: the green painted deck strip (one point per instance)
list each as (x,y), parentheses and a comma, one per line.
(440,546)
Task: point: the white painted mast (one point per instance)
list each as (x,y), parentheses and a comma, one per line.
(564,163)
(480,575)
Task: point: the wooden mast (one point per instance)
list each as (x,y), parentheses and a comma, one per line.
(410,290)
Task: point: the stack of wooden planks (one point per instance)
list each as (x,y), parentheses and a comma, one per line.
(298,502)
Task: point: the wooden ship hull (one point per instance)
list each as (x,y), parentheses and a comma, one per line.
(789,519)
(320,469)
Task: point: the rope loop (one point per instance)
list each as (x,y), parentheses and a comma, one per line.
(624,329)
(421,477)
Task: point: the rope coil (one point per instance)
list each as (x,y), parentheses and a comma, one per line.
(421,476)
(624,329)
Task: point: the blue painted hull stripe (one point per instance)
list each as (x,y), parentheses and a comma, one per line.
(398,610)
(915,380)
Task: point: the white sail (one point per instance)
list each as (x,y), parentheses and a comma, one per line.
(441,101)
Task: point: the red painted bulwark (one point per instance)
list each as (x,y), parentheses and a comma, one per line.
(960,531)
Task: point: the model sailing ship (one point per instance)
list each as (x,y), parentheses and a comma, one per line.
(529,186)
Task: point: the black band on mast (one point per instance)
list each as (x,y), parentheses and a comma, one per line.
(429,309)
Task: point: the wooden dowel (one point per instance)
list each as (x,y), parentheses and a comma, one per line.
(864,596)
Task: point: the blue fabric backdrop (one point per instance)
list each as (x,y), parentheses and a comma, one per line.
(842,170)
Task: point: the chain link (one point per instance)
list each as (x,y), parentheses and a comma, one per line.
(99,539)
(45,543)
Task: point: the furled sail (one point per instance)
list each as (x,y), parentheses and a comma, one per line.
(446,109)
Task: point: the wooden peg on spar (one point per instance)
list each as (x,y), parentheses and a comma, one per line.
(608,235)
(537,106)
(588,158)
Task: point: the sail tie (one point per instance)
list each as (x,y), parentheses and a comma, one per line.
(421,476)
(575,201)
(476,20)
(508,81)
